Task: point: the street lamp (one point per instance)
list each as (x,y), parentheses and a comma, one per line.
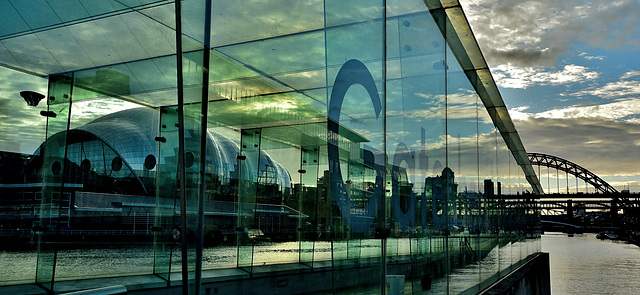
(32,98)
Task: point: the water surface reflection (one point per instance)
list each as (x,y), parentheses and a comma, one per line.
(585,265)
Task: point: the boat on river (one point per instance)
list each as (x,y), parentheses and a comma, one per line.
(607,235)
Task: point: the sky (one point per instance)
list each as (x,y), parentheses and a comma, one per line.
(569,72)
(15,112)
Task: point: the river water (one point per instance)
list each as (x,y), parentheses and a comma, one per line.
(583,264)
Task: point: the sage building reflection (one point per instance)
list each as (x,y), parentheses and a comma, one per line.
(360,146)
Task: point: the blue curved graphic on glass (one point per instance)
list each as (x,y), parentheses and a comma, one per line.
(353,72)
(403,201)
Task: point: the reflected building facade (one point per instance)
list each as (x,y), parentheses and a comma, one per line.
(304,146)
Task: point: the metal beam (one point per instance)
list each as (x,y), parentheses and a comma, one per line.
(573,169)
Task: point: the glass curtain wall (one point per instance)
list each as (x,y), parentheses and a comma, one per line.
(312,137)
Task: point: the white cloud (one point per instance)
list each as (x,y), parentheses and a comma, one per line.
(511,76)
(590,57)
(518,113)
(630,74)
(462,104)
(613,90)
(89,110)
(614,111)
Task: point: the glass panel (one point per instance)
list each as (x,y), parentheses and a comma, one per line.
(278,218)
(249,163)
(355,135)
(167,223)
(149,82)
(73,58)
(36,13)
(194,193)
(467,222)
(416,146)
(40,14)
(11,20)
(308,228)
(192,100)
(232,25)
(221,197)
(108,193)
(323,246)
(503,173)
(488,163)
(58,30)
(54,206)
(36,61)
(22,130)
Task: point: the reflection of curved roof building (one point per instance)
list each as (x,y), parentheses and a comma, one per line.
(130,133)
(122,146)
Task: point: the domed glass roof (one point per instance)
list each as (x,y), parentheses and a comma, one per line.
(131,133)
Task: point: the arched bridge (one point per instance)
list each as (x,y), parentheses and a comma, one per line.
(571,168)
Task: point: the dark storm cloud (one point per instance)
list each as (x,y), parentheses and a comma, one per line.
(524,56)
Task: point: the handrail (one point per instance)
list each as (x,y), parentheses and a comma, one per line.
(117,289)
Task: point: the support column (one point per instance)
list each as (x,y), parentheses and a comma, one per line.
(570,211)
(615,221)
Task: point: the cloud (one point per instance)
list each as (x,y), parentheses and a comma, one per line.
(536,33)
(611,111)
(462,104)
(613,90)
(623,88)
(630,74)
(518,113)
(607,148)
(590,57)
(602,138)
(623,110)
(510,76)
(22,128)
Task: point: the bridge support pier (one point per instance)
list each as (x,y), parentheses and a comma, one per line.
(615,221)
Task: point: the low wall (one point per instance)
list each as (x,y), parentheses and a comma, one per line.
(531,278)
